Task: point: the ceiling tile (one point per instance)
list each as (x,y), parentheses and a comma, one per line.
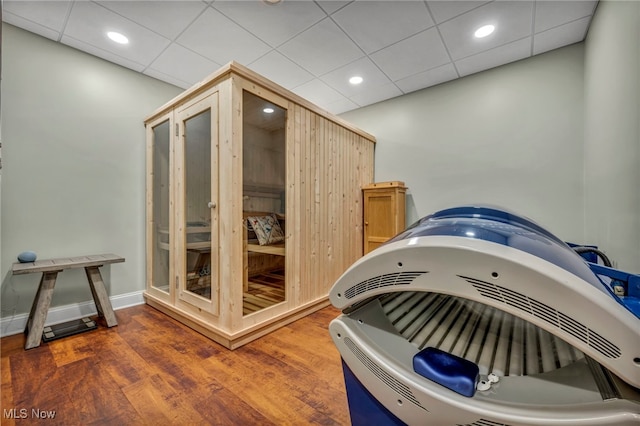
(363,67)
(171,62)
(378,94)
(216,37)
(46,18)
(167,18)
(321,48)
(311,46)
(445,10)
(318,92)
(340,106)
(375,25)
(501,55)
(166,78)
(100,53)
(512,20)
(550,14)
(427,78)
(49,14)
(413,55)
(30,26)
(275,23)
(560,36)
(89,22)
(278,68)
(331,6)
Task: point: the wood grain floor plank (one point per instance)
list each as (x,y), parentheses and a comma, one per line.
(152,370)
(31,375)
(178,355)
(111,349)
(264,382)
(324,396)
(6,389)
(40,387)
(95,396)
(324,392)
(157,402)
(226,408)
(66,351)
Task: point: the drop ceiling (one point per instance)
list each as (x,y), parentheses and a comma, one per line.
(311,47)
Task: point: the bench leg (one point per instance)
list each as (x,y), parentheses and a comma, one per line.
(99,292)
(39,309)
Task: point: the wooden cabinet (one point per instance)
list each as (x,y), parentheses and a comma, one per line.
(384,212)
(253,205)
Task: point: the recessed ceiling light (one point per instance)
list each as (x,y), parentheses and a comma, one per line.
(356,79)
(268,110)
(484,31)
(117,37)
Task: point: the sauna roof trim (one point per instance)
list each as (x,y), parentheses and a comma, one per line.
(244,72)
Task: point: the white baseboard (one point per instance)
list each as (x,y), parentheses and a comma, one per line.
(16,324)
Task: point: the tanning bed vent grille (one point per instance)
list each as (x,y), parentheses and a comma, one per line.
(483,422)
(550,315)
(381,374)
(385,280)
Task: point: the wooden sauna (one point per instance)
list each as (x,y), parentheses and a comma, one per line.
(254,205)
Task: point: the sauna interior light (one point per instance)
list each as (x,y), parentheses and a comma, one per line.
(484,31)
(356,79)
(117,37)
(268,110)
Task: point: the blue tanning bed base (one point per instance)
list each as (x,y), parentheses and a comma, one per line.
(477,316)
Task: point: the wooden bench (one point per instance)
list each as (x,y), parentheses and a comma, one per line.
(50,269)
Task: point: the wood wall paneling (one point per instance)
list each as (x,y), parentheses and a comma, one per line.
(326,163)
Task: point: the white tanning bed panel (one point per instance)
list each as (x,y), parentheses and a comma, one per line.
(477,316)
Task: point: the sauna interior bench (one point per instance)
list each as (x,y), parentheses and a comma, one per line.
(49,269)
(204,246)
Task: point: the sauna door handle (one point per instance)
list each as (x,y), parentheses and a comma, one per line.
(211,205)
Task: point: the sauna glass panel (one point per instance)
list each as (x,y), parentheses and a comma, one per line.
(197,174)
(161,241)
(263,166)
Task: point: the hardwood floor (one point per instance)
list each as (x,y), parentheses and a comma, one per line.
(152,370)
(265,290)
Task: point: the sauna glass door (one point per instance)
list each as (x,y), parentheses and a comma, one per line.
(264,176)
(159,238)
(197,219)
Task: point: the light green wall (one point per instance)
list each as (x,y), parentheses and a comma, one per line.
(511,136)
(73,164)
(555,137)
(612,132)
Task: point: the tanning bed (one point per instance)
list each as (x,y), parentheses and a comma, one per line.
(477,316)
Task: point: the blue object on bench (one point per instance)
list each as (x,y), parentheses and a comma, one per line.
(450,371)
(27,256)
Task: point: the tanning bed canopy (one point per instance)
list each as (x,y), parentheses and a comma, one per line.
(475,315)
